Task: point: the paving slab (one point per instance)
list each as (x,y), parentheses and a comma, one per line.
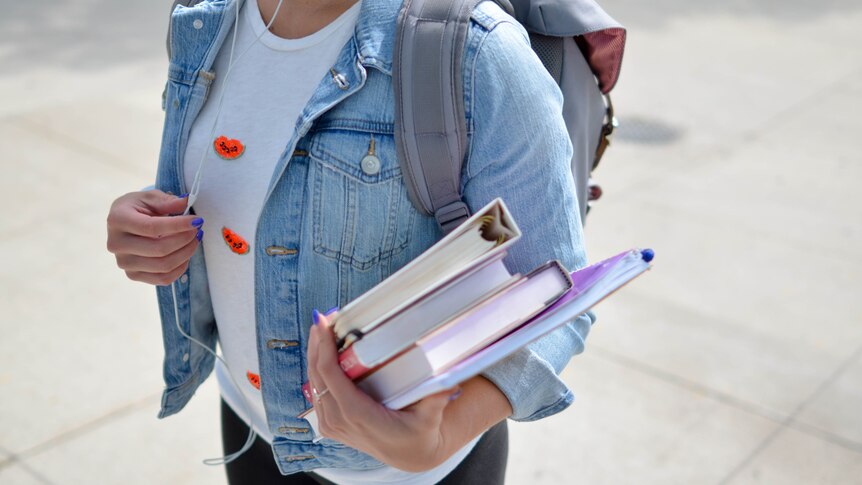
(626,427)
(137,448)
(52,180)
(838,409)
(797,458)
(760,260)
(791,206)
(727,82)
(825,127)
(769,371)
(44,88)
(16,474)
(121,131)
(80,340)
(84,49)
(759,243)
(656,15)
(731,74)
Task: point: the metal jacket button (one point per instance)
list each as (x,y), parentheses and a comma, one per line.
(339,79)
(279,251)
(298,458)
(370,165)
(281,344)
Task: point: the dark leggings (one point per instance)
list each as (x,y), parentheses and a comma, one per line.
(486,463)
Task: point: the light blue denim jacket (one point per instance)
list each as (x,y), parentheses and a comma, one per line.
(329,231)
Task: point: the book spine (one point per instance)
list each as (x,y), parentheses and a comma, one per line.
(350,363)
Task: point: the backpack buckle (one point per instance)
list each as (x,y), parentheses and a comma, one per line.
(451,216)
(608,127)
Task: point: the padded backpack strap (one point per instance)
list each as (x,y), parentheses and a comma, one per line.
(430,122)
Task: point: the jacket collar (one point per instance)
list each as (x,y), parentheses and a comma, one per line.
(375,32)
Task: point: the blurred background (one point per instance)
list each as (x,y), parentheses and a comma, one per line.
(738,359)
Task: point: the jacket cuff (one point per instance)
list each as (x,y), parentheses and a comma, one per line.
(530,378)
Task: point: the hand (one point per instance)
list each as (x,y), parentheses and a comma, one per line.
(151,245)
(411,439)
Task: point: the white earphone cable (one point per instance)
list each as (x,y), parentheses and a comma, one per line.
(195,188)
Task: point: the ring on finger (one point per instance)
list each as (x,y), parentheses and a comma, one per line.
(318,394)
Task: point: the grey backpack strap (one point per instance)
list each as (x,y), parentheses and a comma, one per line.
(430,123)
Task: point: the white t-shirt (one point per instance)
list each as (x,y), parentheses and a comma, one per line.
(262,119)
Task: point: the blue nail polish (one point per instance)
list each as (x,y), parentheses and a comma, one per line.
(198,222)
(647,254)
(200,235)
(315,316)
(455,395)
(183,196)
(331,311)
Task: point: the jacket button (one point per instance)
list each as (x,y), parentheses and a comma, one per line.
(198,24)
(298,458)
(339,79)
(280,251)
(184,279)
(370,165)
(281,344)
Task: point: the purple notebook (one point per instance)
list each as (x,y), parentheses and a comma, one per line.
(592,284)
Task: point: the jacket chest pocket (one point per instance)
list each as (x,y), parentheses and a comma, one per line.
(362,214)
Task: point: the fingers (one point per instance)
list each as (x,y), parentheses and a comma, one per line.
(146,214)
(328,370)
(343,407)
(161,279)
(161,203)
(125,243)
(150,246)
(134,222)
(161,264)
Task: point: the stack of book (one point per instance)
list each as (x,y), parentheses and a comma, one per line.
(456,310)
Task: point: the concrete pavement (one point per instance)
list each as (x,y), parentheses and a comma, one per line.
(738,359)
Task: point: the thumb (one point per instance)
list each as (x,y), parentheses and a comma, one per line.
(163,204)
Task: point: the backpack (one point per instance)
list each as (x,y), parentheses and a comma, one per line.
(579,44)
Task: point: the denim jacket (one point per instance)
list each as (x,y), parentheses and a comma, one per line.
(329,230)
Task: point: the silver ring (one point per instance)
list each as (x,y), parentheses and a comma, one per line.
(318,395)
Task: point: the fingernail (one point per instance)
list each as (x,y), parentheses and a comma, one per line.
(315,316)
(183,196)
(455,395)
(331,311)
(200,235)
(198,222)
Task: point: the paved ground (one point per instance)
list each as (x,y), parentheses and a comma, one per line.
(737,360)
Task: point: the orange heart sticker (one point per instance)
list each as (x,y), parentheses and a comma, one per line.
(228,148)
(234,241)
